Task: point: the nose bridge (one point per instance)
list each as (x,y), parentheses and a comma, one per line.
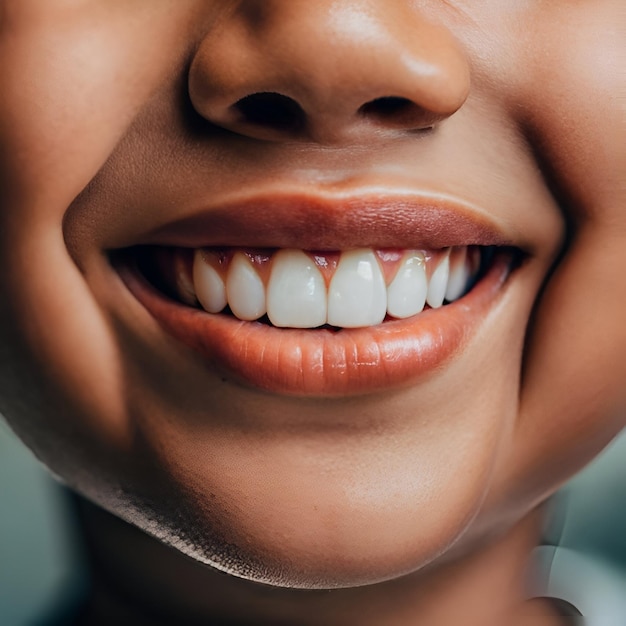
(327,66)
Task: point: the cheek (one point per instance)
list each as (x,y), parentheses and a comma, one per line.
(76,79)
(66,98)
(575,102)
(573,394)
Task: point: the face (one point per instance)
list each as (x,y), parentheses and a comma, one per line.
(316,292)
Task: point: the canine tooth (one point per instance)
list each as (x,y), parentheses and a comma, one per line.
(406,295)
(296,292)
(208,284)
(439,282)
(459,274)
(244,289)
(357,295)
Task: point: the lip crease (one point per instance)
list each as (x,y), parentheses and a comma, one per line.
(328,362)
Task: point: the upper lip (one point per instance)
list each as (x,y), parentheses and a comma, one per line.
(332,221)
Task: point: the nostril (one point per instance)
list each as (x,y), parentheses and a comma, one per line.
(399,112)
(386,107)
(271,110)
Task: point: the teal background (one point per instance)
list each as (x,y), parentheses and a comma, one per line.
(40,563)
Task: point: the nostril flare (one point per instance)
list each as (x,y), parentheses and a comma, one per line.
(271,110)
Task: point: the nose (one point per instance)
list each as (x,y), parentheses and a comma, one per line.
(327,71)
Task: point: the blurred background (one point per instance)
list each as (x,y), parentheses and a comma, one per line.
(41,563)
(42,568)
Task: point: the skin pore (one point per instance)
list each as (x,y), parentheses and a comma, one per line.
(416,500)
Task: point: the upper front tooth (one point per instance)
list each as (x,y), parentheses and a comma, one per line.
(459,274)
(245,289)
(208,284)
(406,295)
(357,294)
(296,292)
(439,282)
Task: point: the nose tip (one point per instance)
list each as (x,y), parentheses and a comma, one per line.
(327,71)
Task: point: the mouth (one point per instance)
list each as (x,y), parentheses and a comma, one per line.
(306,297)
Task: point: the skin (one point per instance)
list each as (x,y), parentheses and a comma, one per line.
(114,119)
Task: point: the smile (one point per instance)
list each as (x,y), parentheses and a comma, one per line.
(291,288)
(313,321)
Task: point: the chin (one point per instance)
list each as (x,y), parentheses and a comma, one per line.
(314,522)
(319,494)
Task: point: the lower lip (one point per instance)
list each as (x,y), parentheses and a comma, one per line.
(323,362)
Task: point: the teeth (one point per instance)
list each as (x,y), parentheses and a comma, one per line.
(244,289)
(406,295)
(292,290)
(296,292)
(357,295)
(184,283)
(210,288)
(459,274)
(439,282)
